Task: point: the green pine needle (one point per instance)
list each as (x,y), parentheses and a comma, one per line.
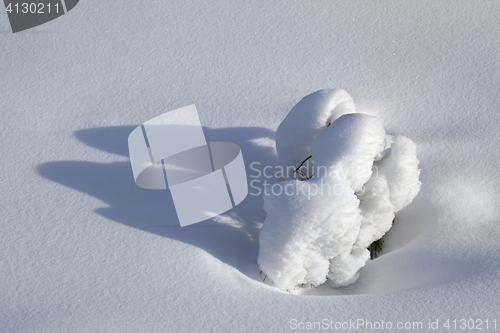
(375,248)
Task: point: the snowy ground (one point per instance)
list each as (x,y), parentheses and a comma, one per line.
(86,250)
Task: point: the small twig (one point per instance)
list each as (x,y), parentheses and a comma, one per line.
(301,164)
(302,174)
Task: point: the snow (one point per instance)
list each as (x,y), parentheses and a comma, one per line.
(302,234)
(400,169)
(392,186)
(306,229)
(305,121)
(84,249)
(348,148)
(344,268)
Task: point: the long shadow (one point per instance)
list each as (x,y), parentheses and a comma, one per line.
(231,237)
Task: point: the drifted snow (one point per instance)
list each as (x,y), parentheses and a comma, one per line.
(322,231)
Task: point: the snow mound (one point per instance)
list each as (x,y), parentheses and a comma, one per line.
(392,186)
(306,120)
(300,236)
(400,169)
(348,148)
(344,268)
(377,210)
(320,228)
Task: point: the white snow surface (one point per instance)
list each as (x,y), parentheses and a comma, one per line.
(348,149)
(303,231)
(305,121)
(344,268)
(393,184)
(400,169)
(322,223)
(85,250)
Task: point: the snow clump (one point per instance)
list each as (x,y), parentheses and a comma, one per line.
(306,120)
(318,228)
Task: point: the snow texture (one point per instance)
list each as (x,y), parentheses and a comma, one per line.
(300,235)
(392,186)
(323,230)
(84,249)
(306,120)
(344,268)
(348,148)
